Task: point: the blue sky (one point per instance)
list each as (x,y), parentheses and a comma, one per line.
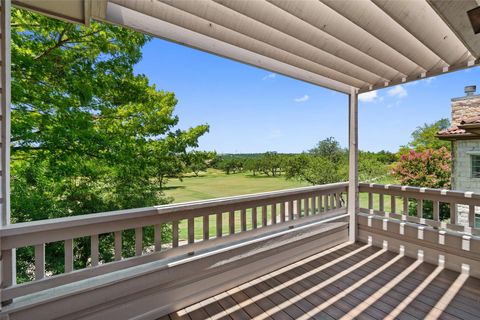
(253,110)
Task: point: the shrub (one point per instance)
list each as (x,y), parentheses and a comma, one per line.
(428,168)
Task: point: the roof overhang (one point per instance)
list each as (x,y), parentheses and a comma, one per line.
(460,136)
(337,44)
(473,128)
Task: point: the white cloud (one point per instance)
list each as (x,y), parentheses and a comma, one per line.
(371,96)
(269,76)
(398,91)
(302,99)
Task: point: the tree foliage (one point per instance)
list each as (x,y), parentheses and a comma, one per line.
(88,135)
(329,148)
(315,169)
(425,137)
(429,168)
(328,163)
(198,161)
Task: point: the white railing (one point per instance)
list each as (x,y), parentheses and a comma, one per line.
(187,226)
(441,209)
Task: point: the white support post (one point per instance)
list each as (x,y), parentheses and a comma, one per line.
(8,256)
(353,204)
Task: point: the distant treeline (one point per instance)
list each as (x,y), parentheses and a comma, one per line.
(327,162)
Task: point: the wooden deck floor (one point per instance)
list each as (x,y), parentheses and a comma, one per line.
(352,282)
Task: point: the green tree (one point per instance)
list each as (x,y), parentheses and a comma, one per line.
(197,161)
(231,164)
(270,163)
(253,164)
(369,167)
(314,169)
(329,148)
(425,137)
(88,135)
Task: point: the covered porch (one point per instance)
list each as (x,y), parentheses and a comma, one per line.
(313,252)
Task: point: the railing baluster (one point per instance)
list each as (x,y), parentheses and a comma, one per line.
(370,201)
(219,225)
(7,268)
(453,213)
(320,206)
(282,211)
(206,227)
(264,216)
(381,203)
(94,249)
(393,204)
(68,255)
(405,206)
(138,241)
(420,208)
(118,245)
(157,231)
(436,210)
(298,207)
(274,213)
(306,209)
(39,261)
(325,202)
(290,210)
(175,233)
(191,230)
(338,200)
(254,218)
(231,222)
(332,201)
(243,219)
(471,216)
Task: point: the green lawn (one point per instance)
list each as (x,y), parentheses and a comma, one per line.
(215,184)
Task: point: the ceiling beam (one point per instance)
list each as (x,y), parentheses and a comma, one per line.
(186,20)
(438,37)
(76,11)
(331,22)
(366,15)
(238,22)
(133,19)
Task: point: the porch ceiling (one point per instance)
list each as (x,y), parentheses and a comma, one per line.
(337,44)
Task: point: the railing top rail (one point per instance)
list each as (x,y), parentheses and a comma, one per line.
(112,216)
(384,188)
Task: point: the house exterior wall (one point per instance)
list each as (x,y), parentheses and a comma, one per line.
(462,166)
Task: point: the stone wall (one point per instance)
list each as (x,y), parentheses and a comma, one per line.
(465,107)
(462,169)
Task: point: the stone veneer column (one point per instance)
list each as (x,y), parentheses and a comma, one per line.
(465,107)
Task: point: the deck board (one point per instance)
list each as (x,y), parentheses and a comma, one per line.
(276,295)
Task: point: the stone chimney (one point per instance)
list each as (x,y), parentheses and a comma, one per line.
(466,106)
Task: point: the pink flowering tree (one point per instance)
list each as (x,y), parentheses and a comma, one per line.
(428,168)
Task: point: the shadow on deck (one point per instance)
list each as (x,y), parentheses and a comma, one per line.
(347,282)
